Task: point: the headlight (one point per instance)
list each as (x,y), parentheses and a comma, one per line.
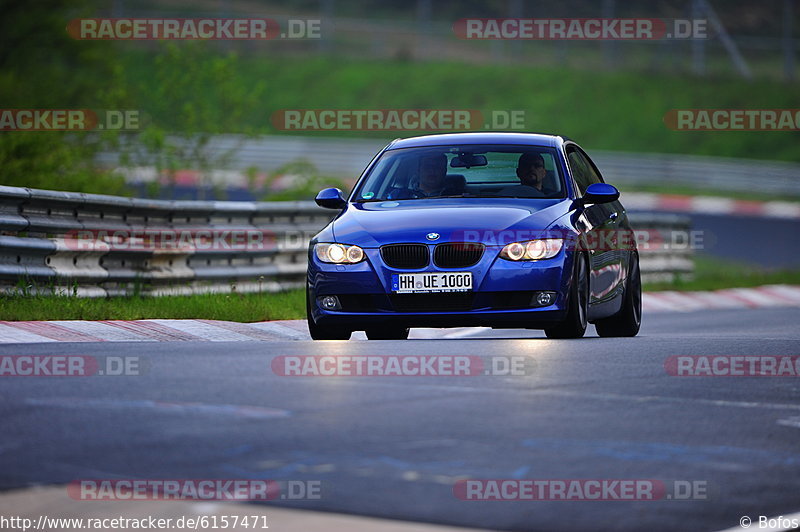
(339,253)
(546,248)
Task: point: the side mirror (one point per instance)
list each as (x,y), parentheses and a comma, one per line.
(331,198)
(600,193)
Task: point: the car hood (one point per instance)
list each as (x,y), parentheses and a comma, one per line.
(373,224)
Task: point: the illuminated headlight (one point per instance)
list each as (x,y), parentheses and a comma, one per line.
(546,248)
(339,253)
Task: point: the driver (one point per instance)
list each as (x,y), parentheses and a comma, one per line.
(432,170)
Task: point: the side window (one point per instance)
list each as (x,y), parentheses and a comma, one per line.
(578,167)
(583,170)
(594,174)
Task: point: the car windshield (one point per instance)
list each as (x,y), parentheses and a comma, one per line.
(467,171)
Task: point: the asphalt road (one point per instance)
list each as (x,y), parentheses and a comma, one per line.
(395,446)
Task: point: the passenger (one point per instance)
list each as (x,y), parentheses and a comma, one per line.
(531,173)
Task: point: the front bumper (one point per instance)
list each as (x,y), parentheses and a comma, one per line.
(502,296)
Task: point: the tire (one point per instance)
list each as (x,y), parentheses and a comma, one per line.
(574,325)
(628,320)
(321,332)
(387,333)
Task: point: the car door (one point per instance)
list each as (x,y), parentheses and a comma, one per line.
(601,223)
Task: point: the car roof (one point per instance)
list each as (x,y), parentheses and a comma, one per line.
(525,139)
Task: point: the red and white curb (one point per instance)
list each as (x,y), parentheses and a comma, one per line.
(12,332)
(640,201)
(730,298)
(150,331)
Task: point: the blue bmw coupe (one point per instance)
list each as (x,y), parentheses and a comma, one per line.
(505,230)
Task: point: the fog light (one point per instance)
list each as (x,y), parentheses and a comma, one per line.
(544,299)
(329,303)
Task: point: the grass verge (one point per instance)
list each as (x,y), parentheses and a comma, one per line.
(710,274)
(682,190)
(715,274)
(228,307)
(601,110)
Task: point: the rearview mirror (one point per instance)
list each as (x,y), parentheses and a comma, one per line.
(331,198)
(468,160)
(600,193)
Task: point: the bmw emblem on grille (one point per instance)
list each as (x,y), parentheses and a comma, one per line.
(432,236)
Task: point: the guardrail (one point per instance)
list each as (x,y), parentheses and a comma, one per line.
(669,246)
(345,157)
(91,245)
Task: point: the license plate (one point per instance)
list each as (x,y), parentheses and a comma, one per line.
(409,283)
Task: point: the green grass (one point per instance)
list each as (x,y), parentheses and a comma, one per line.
(601,110)
(228,307)
(715,274)
(710,274)
(692,191)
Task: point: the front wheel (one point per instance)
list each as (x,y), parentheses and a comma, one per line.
(322,332)
(574,325)
(627,321)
